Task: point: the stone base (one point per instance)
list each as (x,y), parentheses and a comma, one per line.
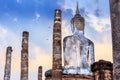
(73,77)
(76,77)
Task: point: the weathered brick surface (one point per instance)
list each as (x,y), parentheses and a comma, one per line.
(73,77)
(102,70)
(24,56)
(57,50)
(8,64)
(40,73)
(115,23)
(76,77)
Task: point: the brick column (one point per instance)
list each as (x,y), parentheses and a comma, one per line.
(115,25)
(40,73)
(57,49)
(8,64)
(24,56)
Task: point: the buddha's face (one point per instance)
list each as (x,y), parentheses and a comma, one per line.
(79,24)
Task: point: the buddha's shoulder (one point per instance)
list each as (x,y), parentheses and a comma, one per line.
(90,41)
(69,37)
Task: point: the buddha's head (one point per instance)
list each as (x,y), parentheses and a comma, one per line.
(77,22)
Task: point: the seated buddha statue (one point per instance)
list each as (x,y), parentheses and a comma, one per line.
(77,49)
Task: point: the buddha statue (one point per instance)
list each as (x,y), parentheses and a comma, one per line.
(77,49)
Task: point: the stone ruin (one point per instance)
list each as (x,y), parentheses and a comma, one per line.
(57,69)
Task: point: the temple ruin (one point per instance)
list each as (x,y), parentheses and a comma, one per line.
(101,70)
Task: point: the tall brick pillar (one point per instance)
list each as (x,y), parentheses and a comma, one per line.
(57,49)
(24,56)
(40,73)
(115,25)
(8,64)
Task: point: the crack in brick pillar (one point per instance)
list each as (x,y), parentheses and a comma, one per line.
(115,25)
(24,56)
(8,64)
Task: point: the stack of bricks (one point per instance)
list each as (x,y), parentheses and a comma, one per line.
(24,56)
(8,64)
(57,49)
(40,73)
(72,77)
(76,77)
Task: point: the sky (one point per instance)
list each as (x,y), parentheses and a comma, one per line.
(36,17)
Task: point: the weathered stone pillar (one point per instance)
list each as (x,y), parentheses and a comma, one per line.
(57,49)
(8,64)
(40,73)
(115,25)
(24,56)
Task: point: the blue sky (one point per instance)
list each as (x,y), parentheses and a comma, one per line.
(36,17)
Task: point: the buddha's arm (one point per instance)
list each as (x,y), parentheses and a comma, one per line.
(91,54)
(64,45)
(66,51)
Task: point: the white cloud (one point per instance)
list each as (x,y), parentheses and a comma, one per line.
(18,1)
(15,19)
(3,32)
(100,24)
(71,4)
(37,15)
(7,37)
(68,4)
